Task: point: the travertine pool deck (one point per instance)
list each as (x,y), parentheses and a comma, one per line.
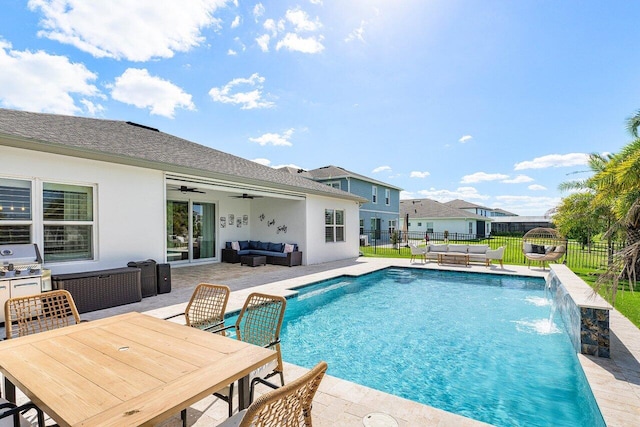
(615,382)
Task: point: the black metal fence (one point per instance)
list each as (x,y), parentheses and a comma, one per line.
(396,244)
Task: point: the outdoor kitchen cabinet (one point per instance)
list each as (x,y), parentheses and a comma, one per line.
(11,288)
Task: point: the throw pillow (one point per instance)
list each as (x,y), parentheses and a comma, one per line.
(263,246)
(253,244)
(227,245)
(235,246)
(548,249)
(528,248)
(288,248)
(244,244)
(537,249)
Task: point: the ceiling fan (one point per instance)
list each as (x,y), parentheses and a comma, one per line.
(185,189)
(246,196)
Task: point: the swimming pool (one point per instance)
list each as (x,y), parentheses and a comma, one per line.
(479,345)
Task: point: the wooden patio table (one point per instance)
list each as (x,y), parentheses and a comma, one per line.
(126,370)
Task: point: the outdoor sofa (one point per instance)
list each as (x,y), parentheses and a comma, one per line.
(276,253)
(476,253)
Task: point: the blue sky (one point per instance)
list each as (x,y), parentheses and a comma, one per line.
(494,102)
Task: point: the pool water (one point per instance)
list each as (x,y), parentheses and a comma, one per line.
(478,345)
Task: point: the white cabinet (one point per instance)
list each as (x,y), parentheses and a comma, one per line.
(18,288)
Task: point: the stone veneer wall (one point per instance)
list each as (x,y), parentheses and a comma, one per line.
(585,314)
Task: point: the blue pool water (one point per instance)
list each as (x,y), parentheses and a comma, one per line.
(478,345)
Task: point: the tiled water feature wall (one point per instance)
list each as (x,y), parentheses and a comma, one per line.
(585,314)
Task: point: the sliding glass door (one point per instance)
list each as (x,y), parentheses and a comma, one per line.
(190,237)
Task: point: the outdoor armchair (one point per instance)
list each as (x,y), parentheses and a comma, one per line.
(12,415)
(206,307)
(496,254)
(417,252)
(40,312)
(259,323)
(287,406)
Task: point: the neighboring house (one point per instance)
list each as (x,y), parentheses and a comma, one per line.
(501,212)
(470,207)
(95,194)
(382,210)
(519,224)
(430,216)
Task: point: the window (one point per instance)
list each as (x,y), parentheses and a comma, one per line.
(334,184)
(392,225)
(67,213)
(15,211)
(334,225)
(429,227)
(374,194)
(387,196)
(362,226)
(419,224)
(470,228)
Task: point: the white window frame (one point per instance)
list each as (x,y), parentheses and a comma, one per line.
(331,219)
(91,223)
(387,196)
(374,194)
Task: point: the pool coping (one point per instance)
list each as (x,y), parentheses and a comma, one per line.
(615,382)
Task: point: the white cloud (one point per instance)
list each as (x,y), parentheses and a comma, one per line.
(236,22)
(271,26)
(295,43)
(301,21)
(465,193)
(258,11)
(123,29)
(518,179)
(316,2)
(537,187)
(465,139)
(381,169)
(404,195)
(417,174)
(289,165)
(357,34)
(481,177)
(137,87)
(275,139)
(38,81)
(247,100)
(265,162)
(554,161)
(527,205)
(232,52)
(263,42)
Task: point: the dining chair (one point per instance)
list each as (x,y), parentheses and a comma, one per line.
(259,323)
(287,406)
(12,415)
(417,252)
(206,307)
(31,314)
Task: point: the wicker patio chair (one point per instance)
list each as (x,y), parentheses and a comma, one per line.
(416,252)
(40,312)
(288,406)
(259,323)
(12,415)
(543,245)
(206,307)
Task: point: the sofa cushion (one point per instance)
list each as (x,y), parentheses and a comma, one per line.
(537,249)
(287,248)
(244,244)
(549,248)
(275,247)
(437,248)
(245,252)
(268,253)
(527,247)
(253,244)
(263,246)
(478,249)
(458,248)
(227,245)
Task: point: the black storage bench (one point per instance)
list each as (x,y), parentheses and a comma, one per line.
(96,290)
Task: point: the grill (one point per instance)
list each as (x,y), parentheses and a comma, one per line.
(20,261)
(20,272)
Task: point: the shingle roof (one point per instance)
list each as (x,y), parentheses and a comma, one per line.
(427,208)
(463,204)
(335,172)
(126,143)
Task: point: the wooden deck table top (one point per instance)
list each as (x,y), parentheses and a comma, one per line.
(126,370)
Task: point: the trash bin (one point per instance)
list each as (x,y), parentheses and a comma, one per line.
(164,278)
(148,281)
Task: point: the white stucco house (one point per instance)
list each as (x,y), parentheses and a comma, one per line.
(96,194)
(431,216)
